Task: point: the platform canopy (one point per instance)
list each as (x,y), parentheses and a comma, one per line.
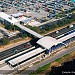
(47,42)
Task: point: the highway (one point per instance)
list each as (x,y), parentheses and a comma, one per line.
(19,48)
(49,60)
(10,52)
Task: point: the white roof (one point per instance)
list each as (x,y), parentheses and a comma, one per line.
(66,37)
(17,14)
(6,67)
(22,18)
(47,42)
(34,23)
(7,18)
(25,56)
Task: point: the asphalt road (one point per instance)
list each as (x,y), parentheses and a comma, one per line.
(19,48)
(10,52)
(56,56)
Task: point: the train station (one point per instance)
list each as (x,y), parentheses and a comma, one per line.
(48,45)
(34,33)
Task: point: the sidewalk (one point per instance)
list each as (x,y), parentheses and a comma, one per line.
(2,48)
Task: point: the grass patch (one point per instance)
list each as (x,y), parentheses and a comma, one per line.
(40,69)
(66,55)
(60,59)
(57,60)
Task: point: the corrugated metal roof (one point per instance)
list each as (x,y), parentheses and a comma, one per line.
(25,56)
(17,14)
(27,20)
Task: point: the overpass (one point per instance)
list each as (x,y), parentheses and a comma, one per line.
(28,30)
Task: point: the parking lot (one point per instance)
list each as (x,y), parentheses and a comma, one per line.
(35,8)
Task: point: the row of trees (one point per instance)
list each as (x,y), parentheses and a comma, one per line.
(12,27)
(4,41)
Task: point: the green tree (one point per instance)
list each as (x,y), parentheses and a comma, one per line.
(5,41)
(9,27)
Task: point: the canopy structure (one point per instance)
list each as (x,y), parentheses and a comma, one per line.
(24,57)
(8,18)
(47,42)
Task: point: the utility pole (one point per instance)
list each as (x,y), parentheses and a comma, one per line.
(14,28)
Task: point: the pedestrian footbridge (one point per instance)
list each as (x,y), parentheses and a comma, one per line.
(29,30)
